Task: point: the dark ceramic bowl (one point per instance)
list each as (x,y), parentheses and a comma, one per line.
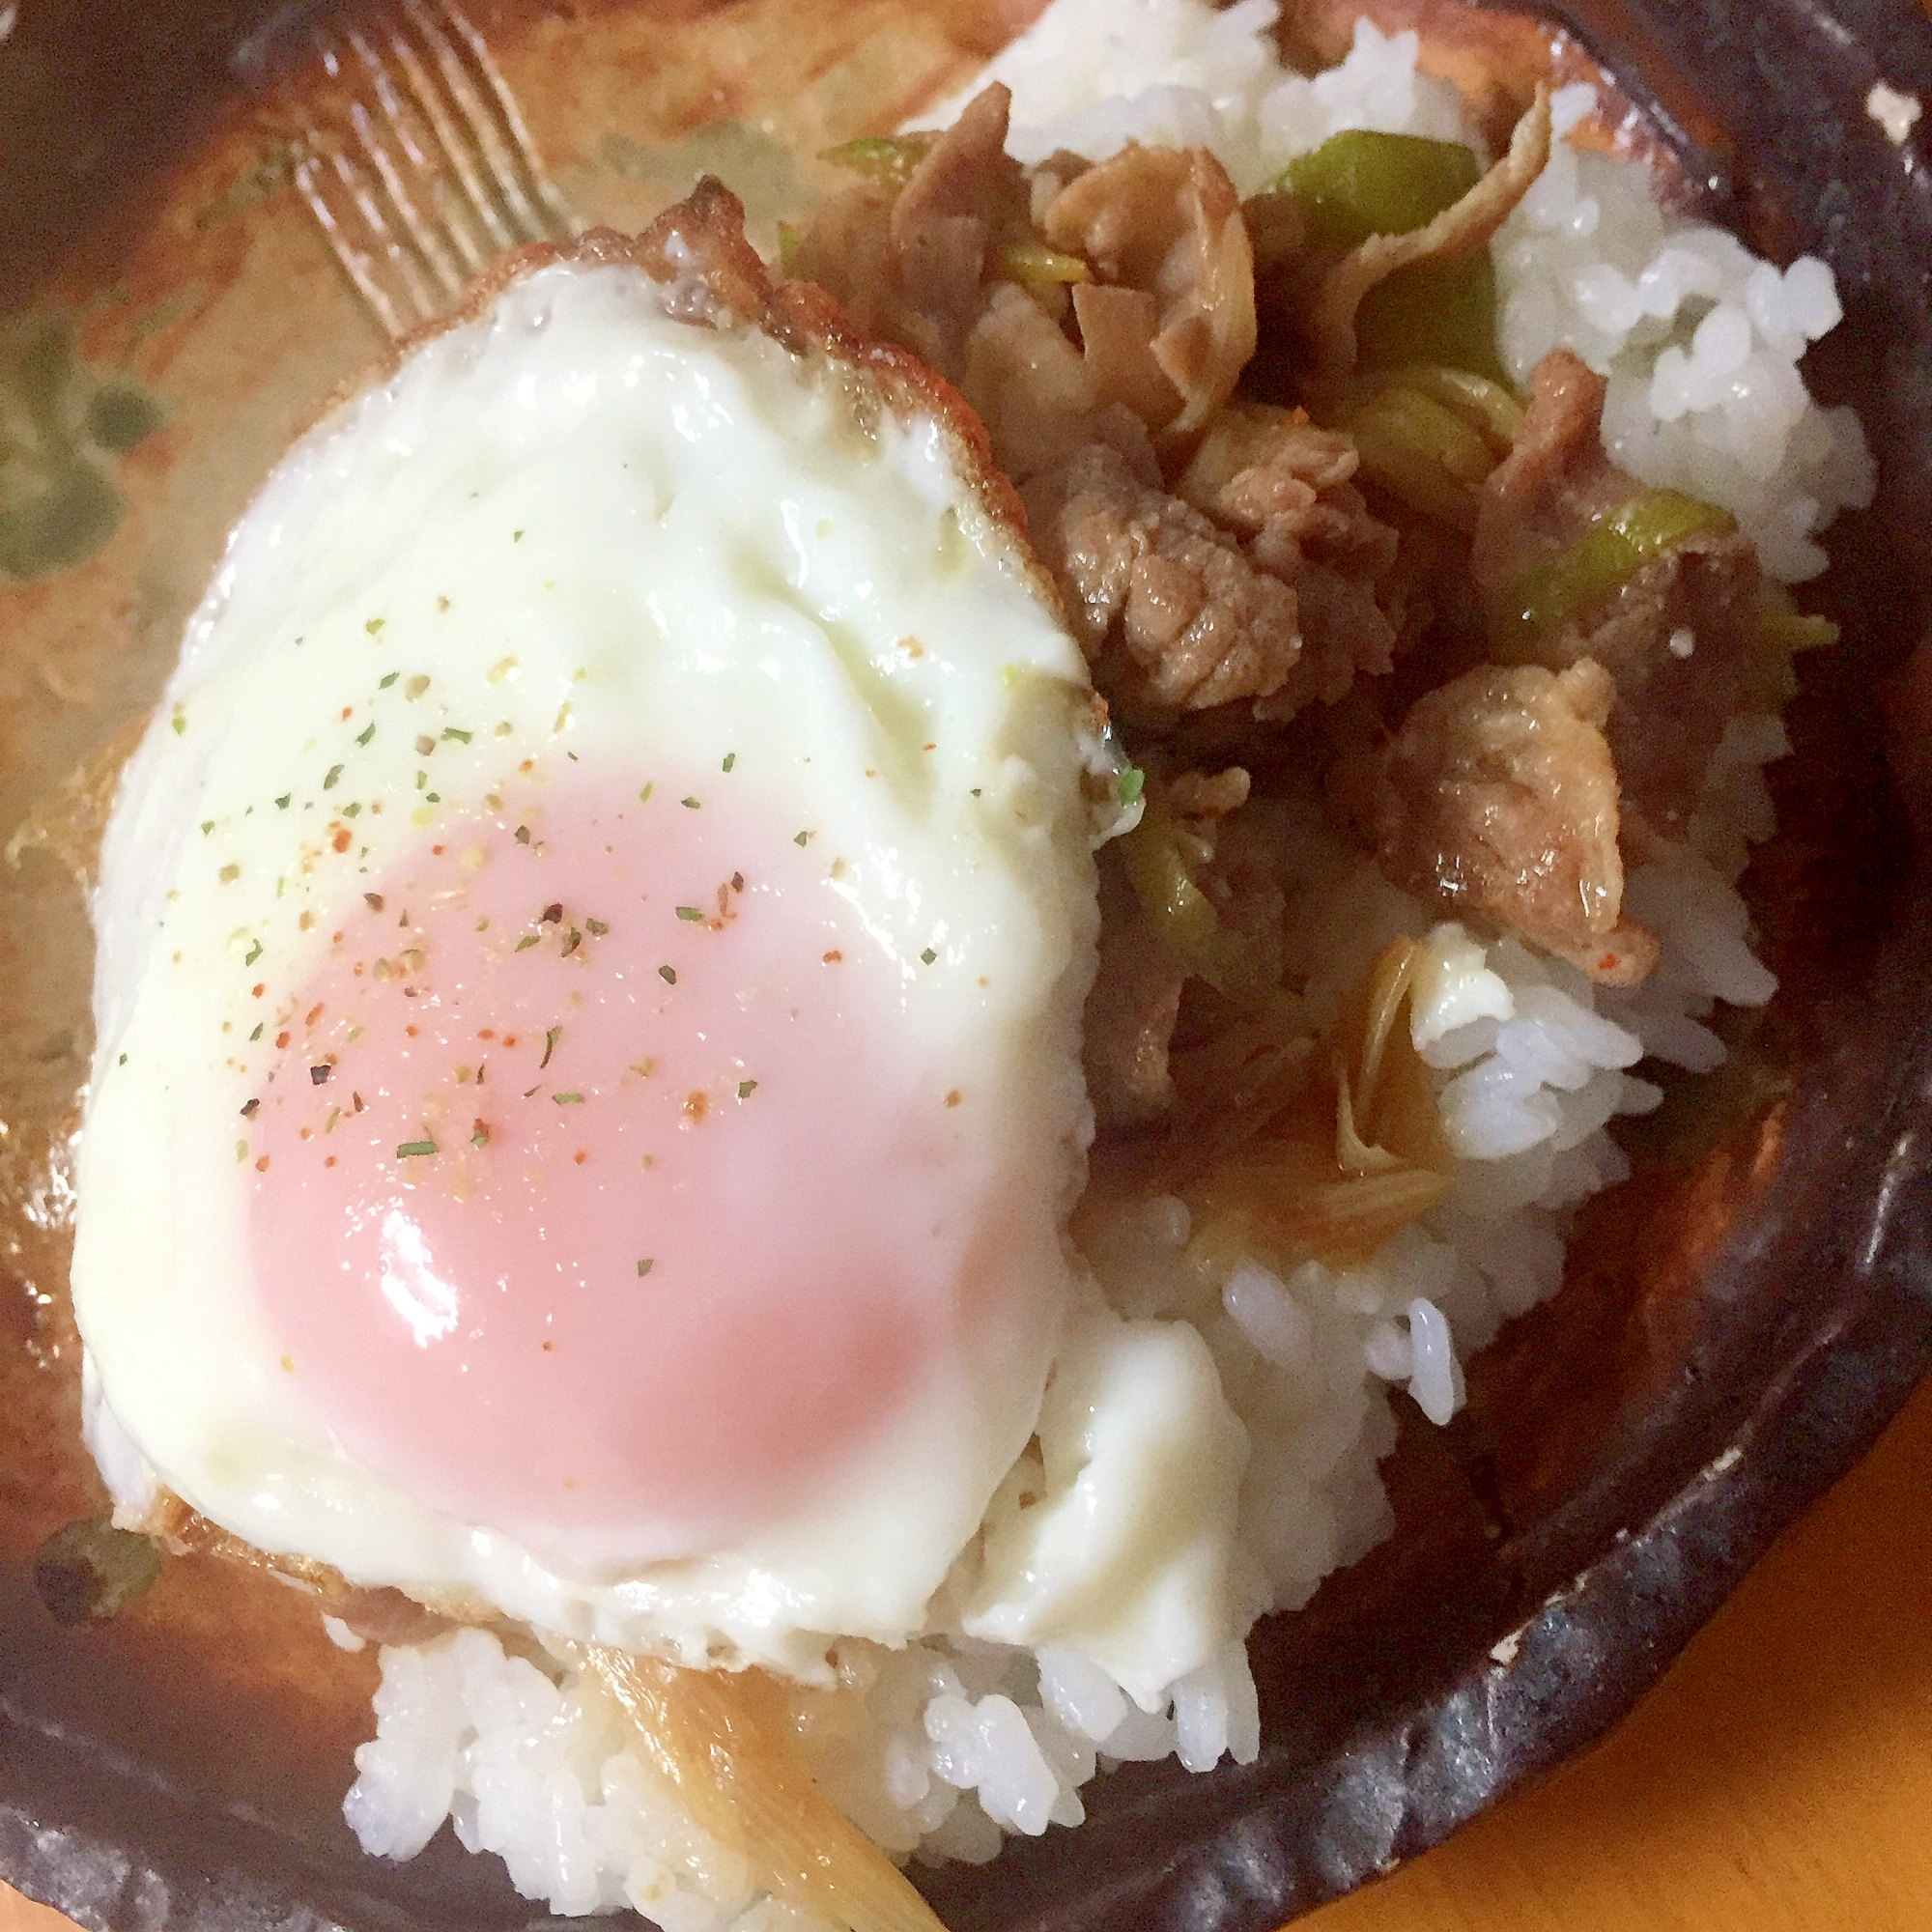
(1739,1321)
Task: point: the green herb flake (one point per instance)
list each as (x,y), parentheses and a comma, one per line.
(731,759)
(329,782)
(462,737)
(645,796)
(257,1034)
(254,952)
(689,912)
(206,825)
(1130,785)
(180,724)
(240,1151)
(481,1136)
(411,1150)
(746,1089)
(516,537)
(551,1037)
(525,943)
(282,803)
(384,683)
(802,840)
(375,626)
(596,927)
(644,1269)
(689,804)
(523,835)
(668,974)
(368,732)
(350,810)
(568,1099)
(123,1060)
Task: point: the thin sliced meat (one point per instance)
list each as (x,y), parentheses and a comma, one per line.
(1164,222)
(1680,635)
(965,190)
(1162,600)
(1499,796)
(1284,485)
(1327,322)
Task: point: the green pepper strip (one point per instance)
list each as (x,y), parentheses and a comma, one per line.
(1608,555)
(1360,184)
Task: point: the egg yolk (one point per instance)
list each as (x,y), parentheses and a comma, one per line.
(602,1179)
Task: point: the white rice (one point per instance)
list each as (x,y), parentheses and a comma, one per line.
(941,1749)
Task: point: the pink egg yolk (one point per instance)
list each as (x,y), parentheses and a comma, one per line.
(601,1181)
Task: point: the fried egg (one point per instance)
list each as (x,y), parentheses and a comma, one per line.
(587,1096)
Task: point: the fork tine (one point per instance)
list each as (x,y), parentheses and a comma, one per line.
(426,97)
(418,231)
(394,253)
(422,231)
(354,263)
(527,223)
(554,206)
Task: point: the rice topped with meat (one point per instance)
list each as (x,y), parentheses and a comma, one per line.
(1425,508)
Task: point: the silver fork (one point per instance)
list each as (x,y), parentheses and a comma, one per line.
(417,162)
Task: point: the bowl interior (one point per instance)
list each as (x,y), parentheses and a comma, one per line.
(1738,1321)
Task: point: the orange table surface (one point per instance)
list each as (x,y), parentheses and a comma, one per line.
(1779,1779)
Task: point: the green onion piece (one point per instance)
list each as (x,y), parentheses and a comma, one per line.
(1419,449)
(1607,556)
(411,1149)
(886,161)
(1130,785)
(792,245)
(1033,261)
(689,912)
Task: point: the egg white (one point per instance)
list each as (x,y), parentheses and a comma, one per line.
(571,528)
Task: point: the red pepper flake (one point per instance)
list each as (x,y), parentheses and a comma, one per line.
(509,1039)
(257,990)
(261,1165)
(313,1014)
(552,915)
(696,1106)
(952,1099)
(830,958)
(737,882)
(411,1031)
(487,1033)
(281,1039)
(437,851)
(579,1156)
(357,1098)
(341,839)
(329,1163)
